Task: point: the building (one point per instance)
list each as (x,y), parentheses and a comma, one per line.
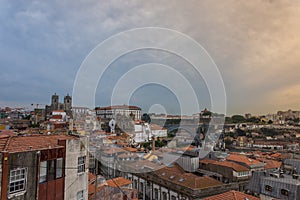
(173,183)
(274,185)
(144,132)
(112,189)
(252,164)
(107,113)
(230,171)
(43,167)
(232,195)
(66,105)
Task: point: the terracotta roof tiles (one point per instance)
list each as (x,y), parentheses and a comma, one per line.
(176,175)
(242,159)
(232,195)
(31,142)
(118,182)
(236,167)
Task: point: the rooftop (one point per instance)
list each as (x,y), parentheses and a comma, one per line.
(232,195)
(123,107)
(243,159)
(176,175)
(14,144)
(236,167)
(118,182)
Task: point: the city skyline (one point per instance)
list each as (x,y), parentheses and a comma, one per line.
(254,44)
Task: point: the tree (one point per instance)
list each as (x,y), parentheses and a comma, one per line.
(253,120)
(238,119)
(228,142)
(240,132)
(228,120)
(146,118)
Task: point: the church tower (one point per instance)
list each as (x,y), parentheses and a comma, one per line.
(68,103)
(54,102)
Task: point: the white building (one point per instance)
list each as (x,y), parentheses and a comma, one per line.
(145,131)
(58,116)
(111,111)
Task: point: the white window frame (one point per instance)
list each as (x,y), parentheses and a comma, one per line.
(17,177)
(81,164)
(59,168)
(80,195)
(43,172)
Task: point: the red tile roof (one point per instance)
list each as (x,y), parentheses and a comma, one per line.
(176,175)
(232,195)
(7,132)
(56,117)
(271,164)
(242,159)
(3,141)
(118,182)
(236,167)
(32,142)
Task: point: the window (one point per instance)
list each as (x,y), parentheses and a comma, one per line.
(164,196)
(141,189)
(155,193)
(284,192)
(43,172)
(50,170)
(135,185)
(17,180)
(59,166)
(173,197)
(268,188)
(81,164)
(80,195)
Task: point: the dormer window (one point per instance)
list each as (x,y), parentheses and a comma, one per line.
(284,192)
(268,188)
(172,177)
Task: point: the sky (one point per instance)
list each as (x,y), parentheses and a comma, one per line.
(255,45)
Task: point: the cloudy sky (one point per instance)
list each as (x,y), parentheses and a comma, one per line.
(255,44)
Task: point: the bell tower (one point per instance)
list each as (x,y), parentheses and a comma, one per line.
(68,103)
(54,102)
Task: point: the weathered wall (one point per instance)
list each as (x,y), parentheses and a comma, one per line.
(75,182)
(26,160)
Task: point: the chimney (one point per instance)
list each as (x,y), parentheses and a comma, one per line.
(153,144)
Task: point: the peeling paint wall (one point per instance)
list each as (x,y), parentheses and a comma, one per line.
(74,181)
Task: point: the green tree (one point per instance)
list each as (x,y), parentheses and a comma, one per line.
(228,142)
(253,120)
(238,119)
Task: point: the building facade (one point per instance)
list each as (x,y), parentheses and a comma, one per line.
(110,112)
(48,167)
